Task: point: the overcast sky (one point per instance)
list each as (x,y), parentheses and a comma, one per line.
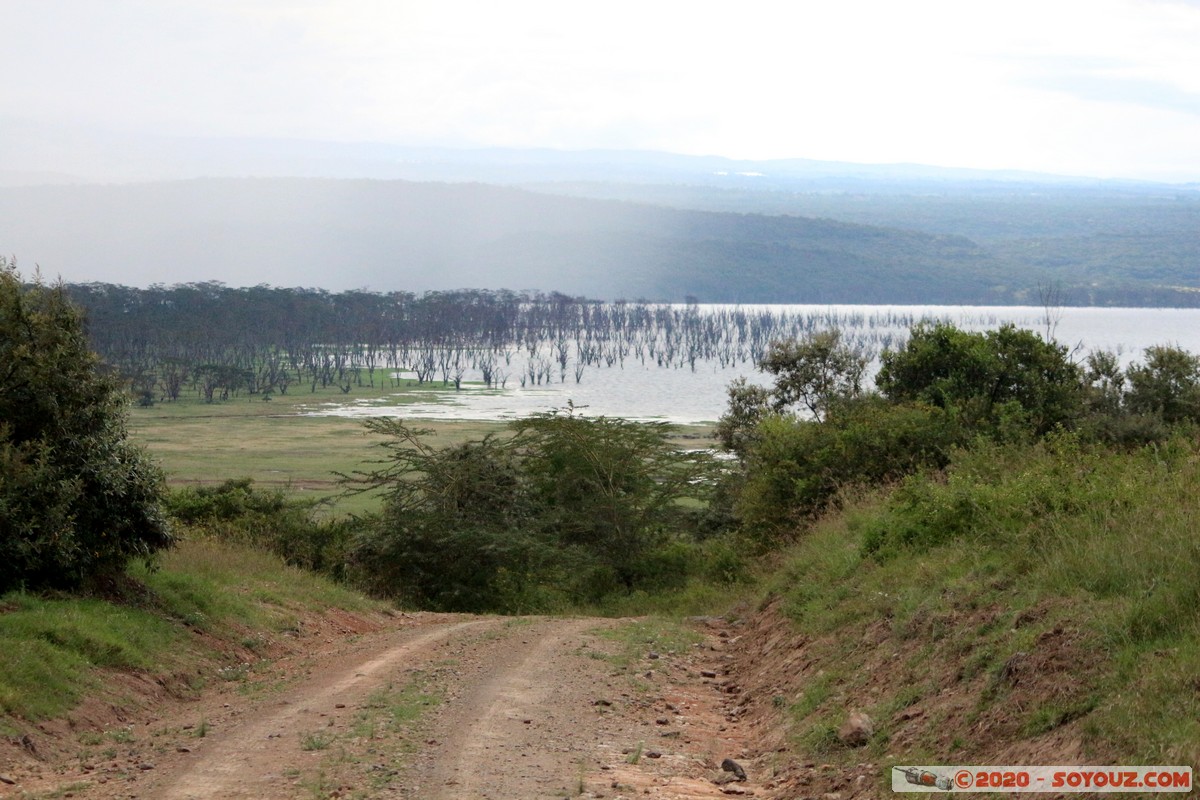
(1108,88)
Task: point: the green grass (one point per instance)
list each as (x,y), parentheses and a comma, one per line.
(815,694)
(276,443)
(53,649)
(697,598)
(392,710)
(316,740)
(1030,550)
(50,647)
(635,639)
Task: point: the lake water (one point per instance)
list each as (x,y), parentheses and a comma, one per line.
(683,395)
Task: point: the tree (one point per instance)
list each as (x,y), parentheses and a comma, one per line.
(1104,382)
(77,499)
(749,405)
(610,486)
(816,371)
(568,509)
(1007,376)
(795,468)
(1167,384)
(454,534)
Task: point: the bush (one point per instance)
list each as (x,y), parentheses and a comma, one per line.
(1147,403)
(797,468)
(439,563)
(455,532)
(610,486)
(998,382)
(812,376)
(569,510)
(233,501)
(77,499)
(237,511)
(1166,385)
(1000,495)
(941,390)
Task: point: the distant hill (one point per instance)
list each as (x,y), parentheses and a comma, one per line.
(615,223)
(388,235)
(966,244)
(1109,243)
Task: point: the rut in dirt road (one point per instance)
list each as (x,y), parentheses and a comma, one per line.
(548,709)
(511,736)
(251,760)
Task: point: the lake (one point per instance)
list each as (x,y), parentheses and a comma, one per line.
(684,395)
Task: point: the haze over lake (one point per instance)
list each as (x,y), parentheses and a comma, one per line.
(645,391)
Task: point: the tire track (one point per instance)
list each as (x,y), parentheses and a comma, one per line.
(512,737)
(249,760)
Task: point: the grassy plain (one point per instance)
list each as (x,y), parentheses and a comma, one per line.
(282,444)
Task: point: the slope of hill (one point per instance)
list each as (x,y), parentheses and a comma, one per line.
(1109,243)
(416,236)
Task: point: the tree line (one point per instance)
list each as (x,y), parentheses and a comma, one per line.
(218,342)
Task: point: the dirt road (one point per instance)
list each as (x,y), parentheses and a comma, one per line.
(433,707)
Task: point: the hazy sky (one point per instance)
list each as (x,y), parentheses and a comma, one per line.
(1109,88)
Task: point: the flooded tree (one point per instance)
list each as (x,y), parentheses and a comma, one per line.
(322,339)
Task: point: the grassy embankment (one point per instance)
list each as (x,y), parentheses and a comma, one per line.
(1035,603)
(205,605)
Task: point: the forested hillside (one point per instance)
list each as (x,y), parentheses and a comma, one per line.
(1108,244)
(396,235)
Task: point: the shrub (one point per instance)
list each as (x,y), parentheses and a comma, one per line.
(235,510)
(455,525)
(797,468)
(1166,385)
(1004,495)
(812,375)
(998,381)
(569,510)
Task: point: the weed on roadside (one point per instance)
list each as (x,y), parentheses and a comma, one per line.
(636,640)
(316,740)
(390,711)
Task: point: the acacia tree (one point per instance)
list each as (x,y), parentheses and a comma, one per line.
(610,486)
(818,371)
(77,499)
(570,507)
(454,534)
